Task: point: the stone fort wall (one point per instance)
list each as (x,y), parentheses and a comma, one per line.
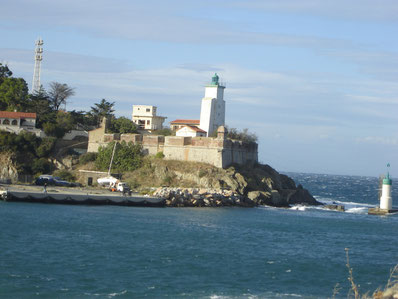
(220,152)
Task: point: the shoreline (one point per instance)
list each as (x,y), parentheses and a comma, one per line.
(162,197)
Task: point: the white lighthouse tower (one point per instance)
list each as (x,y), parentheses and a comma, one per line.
(212,112)
(385,199)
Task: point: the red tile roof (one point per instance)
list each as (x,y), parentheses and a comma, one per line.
(186,121)
(9,114)
(196,129)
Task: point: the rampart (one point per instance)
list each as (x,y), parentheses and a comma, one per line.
(220,152)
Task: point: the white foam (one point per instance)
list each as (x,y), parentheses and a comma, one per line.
(298,208)
(358,210)
(117,294)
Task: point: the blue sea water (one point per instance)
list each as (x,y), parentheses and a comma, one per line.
(62,251)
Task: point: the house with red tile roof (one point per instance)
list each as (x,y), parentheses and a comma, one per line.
(16,122)
(179,123)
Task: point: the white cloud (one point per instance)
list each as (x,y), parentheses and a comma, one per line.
(376,63)
(373,99)
(381,10)
(378,140)
(150,21)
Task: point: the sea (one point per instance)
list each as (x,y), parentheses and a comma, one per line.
(69,251)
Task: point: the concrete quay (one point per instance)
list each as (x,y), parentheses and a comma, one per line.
(83,196)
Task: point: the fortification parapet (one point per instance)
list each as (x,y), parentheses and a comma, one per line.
(153,140)
(111,137)
(208,142)
(177,141)
(134,138)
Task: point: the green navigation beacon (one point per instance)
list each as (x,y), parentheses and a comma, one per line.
(214,79)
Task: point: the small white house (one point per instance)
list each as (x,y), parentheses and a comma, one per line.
(190,131)
(145,118)
(16,122)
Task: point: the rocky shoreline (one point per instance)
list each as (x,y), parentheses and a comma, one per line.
(198,185)
(200,197)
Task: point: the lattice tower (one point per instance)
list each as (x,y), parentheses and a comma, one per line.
(38,59)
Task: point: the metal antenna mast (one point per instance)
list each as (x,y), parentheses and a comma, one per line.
(38,59)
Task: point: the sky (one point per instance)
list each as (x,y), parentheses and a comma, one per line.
(316,80)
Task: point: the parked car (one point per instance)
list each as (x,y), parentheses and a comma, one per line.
(52,181)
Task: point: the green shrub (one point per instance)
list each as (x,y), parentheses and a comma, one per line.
(46,146)
(65,175)
(133,184)
(167,180)
(87,157)
(202,173)
(128,156)
(122,125)
(41,166)
(54,130)
(159,155)
(243,135)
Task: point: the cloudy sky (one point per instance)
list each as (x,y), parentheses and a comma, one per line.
(316,80)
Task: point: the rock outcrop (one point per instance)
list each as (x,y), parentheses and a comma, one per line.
(8,168)
(237,185)
(195,197)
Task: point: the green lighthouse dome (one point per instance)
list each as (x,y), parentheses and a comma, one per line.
(387,180)
(214,79)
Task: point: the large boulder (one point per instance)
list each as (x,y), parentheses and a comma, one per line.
(278,200)
(302,196)
(260,197)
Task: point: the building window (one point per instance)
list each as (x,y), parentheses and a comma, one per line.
(141,124)
(148,110)
(148,122)
(14,122)
(6,122)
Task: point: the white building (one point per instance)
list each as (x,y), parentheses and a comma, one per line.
(212,113)
(145,118)
(190,131)
(180,123)
(17,122)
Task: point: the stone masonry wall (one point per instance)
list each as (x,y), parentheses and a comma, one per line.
(198,149)
(219,152)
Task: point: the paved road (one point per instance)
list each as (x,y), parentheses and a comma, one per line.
(65,190)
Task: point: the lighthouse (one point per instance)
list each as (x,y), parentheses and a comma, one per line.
(212,112)
(385,199)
